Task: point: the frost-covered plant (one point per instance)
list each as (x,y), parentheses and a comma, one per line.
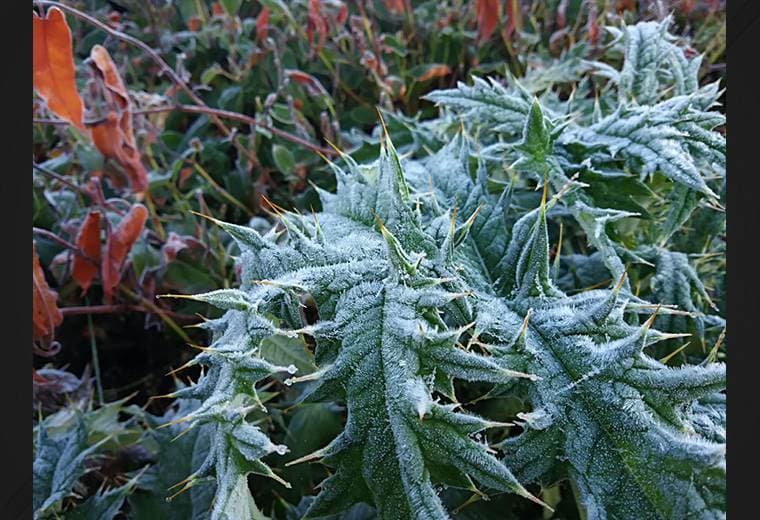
(420,276)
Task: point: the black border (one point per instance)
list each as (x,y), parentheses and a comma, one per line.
(15,208)
(743,113)
(743,57)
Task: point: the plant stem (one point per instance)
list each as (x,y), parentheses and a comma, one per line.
(94,353)
(214,112)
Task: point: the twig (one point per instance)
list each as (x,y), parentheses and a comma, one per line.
(224,193)
(95,359)
(118,309)
(52,174)
(55,238)
(206,110)
(157,310)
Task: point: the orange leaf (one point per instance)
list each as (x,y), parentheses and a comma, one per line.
(107,137)
(262,24)
(53,66)
(88,241)
(115,137)
(312,84)
(513,11)
(487,15)
(194,23)
(45,313)
(116,91)
(434,71)
(119,242)
(394,6)
(216,9)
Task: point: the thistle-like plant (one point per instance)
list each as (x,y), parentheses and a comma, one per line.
(420,276)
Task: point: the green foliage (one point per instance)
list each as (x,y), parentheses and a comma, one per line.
(477,313)
(405,288)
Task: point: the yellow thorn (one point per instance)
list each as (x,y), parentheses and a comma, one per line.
(174,371)
(183,432)
(524,492)
(471,219)
(177,296)
(332,145)
(323,156)
(474,498)
(165,396)
(620,281)
(676,351)
(306,458)
(651,319)
(382,122)
(207,217)
(183,481)
(524,325)
(175,421)
(713,355)
(274,476)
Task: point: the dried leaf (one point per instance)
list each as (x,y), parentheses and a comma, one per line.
(119,243)
(342,16)
(116,92)
(53,67)
(395,6)
(487,16)
(514,17)
(316,22)
(176,243)
(312,84)
(114,137)
(262,24)
(88,241)
(434,71)
(216,9)
(45,313)
(194,23)
(592,25)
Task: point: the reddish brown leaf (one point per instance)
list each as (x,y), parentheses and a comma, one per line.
(316,22)
(83,270)
(53,67)
(118,244)
(262,25)
(176,243)
(194,23)
(513,13)
(434,71)
(342,16)
(312,84)
(45,313)
(592,25)
(487,16)
(36,378)
(114,137)
(107,136)
(562,14)
(395,6)
(116,92)
(217,9)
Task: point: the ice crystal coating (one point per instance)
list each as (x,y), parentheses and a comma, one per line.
(422,272)
(404,286)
